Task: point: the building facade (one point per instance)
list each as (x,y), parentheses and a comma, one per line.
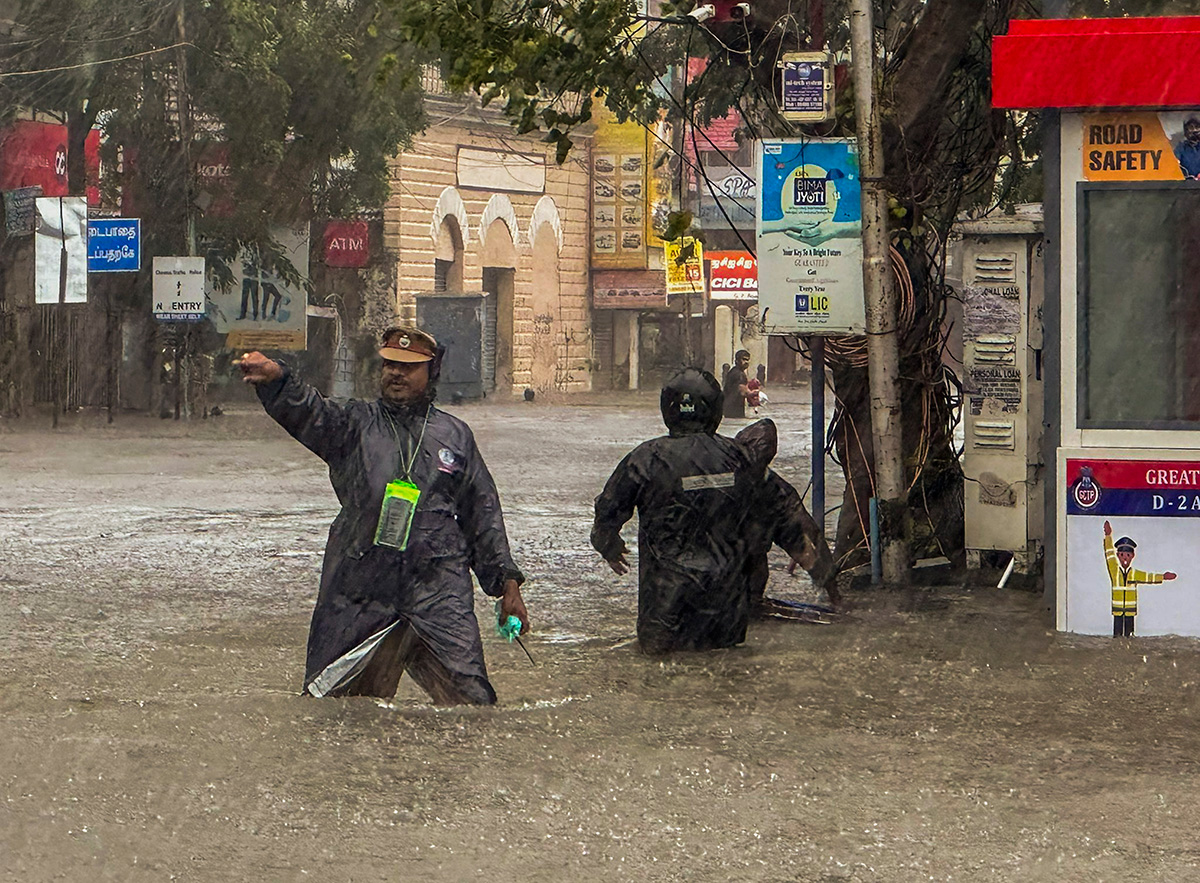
(478,210)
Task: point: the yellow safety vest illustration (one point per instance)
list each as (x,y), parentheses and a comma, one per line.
(1125,581)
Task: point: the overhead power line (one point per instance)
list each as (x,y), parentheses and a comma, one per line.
(71,67)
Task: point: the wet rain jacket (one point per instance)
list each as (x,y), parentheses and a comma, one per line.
(693,494)
(457,527)
(780,518)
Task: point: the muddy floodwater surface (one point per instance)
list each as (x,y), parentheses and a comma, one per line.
(156,582)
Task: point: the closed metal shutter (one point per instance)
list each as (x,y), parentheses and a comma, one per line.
(602,348)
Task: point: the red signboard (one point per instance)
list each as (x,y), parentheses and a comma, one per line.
(34,154)
(1084,63)
(346,244)
(732,275)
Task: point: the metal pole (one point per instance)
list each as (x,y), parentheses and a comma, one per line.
(883,345)
(185,140)
(59,348)
(816,349)
(876,548)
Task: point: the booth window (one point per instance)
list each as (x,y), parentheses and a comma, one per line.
(1139,305)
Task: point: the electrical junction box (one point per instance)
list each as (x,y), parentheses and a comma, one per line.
(1003,393)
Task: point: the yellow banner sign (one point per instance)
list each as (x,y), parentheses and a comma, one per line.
(684,261)
(618,194)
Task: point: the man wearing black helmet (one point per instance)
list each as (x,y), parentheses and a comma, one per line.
(693,491)
(418,509)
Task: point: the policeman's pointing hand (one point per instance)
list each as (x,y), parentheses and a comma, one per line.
(257,368)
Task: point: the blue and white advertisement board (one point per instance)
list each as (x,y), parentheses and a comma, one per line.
(809,234)
(114,245)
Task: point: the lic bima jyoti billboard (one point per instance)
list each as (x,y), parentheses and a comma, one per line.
(1132,547)
(809,232)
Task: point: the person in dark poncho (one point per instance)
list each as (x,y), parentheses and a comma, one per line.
(693,492)
(779,518)
(419,512)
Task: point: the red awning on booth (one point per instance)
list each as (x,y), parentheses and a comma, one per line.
(1108,62)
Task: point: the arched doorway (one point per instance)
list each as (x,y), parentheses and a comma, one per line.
(499,259)
(448,257)
(448,229)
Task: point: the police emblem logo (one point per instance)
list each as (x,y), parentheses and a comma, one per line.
(404,343)
(1086,490)
(686,406)
(446,456)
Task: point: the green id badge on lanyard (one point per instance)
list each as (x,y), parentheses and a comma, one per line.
(396,517)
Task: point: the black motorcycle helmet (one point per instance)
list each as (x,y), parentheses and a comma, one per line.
(691,402)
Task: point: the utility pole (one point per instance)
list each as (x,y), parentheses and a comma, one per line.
(883,345)
(184,109)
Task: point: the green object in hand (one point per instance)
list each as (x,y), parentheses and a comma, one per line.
(510,628)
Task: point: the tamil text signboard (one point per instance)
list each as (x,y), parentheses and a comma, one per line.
(114,245)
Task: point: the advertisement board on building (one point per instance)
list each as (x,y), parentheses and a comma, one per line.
(34,154)
(628,290)
(662,179)
(1132,545)
(61,220)
(260,310)
(732,276)
(728,196)
(809,234)
(114,245)
(618,194)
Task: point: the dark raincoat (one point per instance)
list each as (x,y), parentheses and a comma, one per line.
(458,527)
(693,494)
(780,518)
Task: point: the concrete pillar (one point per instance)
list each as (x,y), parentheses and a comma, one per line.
(724,334)
(634,324)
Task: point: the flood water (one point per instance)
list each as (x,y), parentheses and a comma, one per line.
(156,581)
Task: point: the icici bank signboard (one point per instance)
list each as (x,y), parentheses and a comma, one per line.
(732,275)
(34,154)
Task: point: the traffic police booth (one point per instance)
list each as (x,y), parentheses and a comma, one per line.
(1121,359)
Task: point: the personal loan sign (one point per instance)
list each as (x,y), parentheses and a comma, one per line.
(809,233)
(114,245)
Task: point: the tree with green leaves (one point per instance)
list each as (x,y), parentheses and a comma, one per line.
(946,152)
(308,101)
